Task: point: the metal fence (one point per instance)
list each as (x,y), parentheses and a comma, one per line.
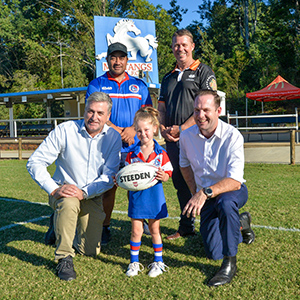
(265,124)
(30,127)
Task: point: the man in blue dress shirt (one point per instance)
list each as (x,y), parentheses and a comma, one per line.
(87,155)
(212,164)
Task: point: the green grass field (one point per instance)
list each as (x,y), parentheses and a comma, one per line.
(267,269)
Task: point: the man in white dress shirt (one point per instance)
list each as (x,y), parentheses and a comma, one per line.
(87,156)
(212,164)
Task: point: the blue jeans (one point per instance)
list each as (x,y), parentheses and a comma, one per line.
(220,223)
(186,225)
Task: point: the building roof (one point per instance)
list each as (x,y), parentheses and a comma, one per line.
(38,96)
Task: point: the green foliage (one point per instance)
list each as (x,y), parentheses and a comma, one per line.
(176,12)
(247,43)
(30,110)
(272,47)
(24,81)
(4,114)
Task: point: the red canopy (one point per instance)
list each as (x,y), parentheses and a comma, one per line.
(278,89)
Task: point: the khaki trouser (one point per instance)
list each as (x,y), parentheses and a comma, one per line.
(77,224)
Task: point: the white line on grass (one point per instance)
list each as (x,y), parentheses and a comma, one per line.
(252,225)
(23,223)
(119,212)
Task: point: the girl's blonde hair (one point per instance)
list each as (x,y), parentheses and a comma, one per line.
(147,113)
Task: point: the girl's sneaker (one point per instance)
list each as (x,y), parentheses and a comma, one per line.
(157,268)
(134,268)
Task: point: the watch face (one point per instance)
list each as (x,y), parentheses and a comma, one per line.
(208,191)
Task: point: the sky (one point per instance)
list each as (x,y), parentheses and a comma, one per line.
(191,5)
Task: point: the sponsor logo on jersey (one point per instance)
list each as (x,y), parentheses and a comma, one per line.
(134,88)
(105,88)
(191,77)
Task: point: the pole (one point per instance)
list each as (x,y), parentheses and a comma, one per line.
(61,66)
(246,112)
(292,147)
(297,125)
(20,148)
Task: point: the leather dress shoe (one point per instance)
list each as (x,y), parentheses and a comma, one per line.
(246,230)
(179,234)
(226,272)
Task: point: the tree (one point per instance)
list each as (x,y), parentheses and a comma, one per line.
(176,12)
(142,9)
(247,19)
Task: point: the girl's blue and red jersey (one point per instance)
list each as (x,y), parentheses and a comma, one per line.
(149,203)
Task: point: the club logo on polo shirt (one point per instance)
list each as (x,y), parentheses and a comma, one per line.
(134,88)
(211,83)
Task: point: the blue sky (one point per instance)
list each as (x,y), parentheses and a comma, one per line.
(192,6)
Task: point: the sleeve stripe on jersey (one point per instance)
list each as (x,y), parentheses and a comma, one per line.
(167,167)
(126,96)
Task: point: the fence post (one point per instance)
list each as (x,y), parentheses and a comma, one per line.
(292,146)
(20,148)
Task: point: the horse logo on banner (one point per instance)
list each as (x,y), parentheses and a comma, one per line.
(144,45)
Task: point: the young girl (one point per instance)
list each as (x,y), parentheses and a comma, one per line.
(150,203)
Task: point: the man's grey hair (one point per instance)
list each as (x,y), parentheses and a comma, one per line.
(99,97)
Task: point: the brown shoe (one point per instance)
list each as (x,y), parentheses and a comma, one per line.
(174,236)
(179,234)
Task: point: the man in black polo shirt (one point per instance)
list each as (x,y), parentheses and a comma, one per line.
(176,107)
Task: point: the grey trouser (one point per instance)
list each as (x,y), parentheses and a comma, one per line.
(77,224)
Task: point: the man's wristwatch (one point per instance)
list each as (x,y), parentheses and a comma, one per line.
(84,194)
(208,192)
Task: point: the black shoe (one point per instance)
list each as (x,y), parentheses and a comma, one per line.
(50,237)
(65,269)
(246,230)
(106,236)
(146,228)
(188,233)
(225,273)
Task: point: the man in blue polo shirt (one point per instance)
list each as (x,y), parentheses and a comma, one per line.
(128,94)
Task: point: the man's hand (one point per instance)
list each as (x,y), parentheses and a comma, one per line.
(128,134)
(174,131)
(68,191)
(166,134)
(195,204)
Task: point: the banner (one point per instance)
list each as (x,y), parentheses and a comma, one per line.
(139,38)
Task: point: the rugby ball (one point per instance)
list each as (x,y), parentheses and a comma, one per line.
(137,176)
